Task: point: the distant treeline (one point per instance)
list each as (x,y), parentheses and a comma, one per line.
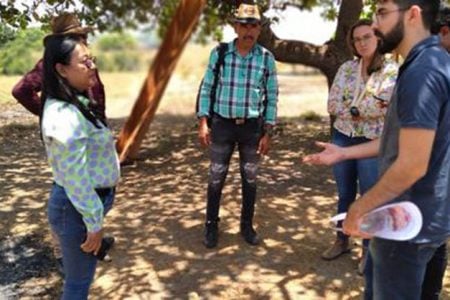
(115,52)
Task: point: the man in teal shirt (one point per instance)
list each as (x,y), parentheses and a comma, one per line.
(243,113)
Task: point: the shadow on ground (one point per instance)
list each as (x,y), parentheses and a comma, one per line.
(158,222)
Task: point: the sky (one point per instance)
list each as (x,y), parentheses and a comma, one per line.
(299,25)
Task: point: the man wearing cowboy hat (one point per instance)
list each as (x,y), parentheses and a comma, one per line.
(243,114)
(27,90)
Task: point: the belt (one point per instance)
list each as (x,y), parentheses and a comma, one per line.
(102,192)
(238,121)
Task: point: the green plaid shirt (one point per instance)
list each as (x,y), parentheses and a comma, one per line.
(243,84)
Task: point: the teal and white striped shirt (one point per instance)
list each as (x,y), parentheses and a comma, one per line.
(243,84)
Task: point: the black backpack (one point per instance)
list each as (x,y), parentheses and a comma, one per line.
(222,48)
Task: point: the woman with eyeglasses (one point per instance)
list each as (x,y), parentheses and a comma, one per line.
(357,102)
(81,153)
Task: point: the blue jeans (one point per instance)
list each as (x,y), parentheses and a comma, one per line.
(351,173)
(397,269)
(67,223)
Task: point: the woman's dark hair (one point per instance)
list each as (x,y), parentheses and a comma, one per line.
(59,49)
(443,19)
(377,59)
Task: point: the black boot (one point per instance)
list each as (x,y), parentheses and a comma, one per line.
(249,234)
(211,234)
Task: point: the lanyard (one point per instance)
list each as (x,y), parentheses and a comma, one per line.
(359,94)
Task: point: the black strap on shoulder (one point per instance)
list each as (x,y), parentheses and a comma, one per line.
(223,47)
(265,81)
(221,50)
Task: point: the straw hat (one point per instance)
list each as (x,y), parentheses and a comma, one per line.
(247,14)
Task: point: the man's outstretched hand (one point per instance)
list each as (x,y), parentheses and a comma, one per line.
(330,155)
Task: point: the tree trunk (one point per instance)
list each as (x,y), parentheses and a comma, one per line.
(178,33)
(328,57)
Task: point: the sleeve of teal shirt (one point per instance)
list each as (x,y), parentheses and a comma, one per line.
(205,88)
(272,92)
(68,150)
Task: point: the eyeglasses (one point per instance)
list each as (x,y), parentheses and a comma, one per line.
(381,15)
(364,39)
(89,62)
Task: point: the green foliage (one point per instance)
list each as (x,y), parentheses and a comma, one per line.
(368,10)
(9,14)
(6,34)
(105,14)
(117,52)
(117,61)
(111,15)
(16,56)
(165,16)
(116,41)
(127,61)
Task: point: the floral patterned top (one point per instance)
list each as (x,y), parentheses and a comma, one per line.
(373,104)
(82,157)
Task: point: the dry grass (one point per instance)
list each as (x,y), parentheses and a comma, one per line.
(298,94)
(6,85)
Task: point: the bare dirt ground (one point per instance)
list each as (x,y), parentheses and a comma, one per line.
(158,221)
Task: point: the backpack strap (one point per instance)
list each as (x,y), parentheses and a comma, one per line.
(223,47)
(265,80)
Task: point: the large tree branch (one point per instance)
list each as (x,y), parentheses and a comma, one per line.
(290,51)
(328,57)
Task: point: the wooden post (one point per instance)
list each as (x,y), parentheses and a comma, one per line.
(178,34)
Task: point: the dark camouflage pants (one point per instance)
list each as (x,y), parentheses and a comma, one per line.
(225,135)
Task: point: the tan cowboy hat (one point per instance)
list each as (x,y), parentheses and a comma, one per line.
(247,14)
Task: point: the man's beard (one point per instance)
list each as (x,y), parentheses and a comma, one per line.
(392,39)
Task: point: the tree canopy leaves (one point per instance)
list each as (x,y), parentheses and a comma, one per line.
(116,15)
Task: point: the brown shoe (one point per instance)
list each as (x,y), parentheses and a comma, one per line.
(339,247)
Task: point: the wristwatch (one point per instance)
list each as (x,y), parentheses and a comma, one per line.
(268,129)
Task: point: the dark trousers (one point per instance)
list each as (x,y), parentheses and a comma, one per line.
(434,275)
(225,135)
(431,281)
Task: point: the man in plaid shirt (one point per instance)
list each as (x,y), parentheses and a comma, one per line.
(244,113)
